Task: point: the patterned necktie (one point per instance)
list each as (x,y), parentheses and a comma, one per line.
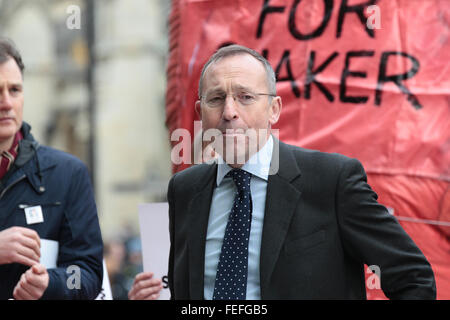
(232,270)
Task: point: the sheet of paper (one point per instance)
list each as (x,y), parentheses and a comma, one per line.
(49,253)
(49,258)
(105,293)
(154,227)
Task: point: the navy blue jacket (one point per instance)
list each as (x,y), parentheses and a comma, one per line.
(60,184)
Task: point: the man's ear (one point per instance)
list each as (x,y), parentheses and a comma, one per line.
(198,108)
(275,110)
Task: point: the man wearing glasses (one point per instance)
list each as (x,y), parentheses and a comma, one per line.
(275,221)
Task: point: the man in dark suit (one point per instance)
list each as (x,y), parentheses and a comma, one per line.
(301,225)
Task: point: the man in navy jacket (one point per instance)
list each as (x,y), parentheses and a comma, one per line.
(44,194)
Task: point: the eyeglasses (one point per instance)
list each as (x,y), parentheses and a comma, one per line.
(243,98)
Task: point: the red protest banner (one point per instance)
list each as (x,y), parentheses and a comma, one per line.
(368,79)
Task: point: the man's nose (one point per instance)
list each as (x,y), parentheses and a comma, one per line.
(230,111)
(5,100)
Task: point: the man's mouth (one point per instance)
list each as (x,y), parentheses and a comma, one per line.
(6,119)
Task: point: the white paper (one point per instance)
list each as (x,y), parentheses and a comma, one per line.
(49,253)
(49,258)
(105,293)
(155,240)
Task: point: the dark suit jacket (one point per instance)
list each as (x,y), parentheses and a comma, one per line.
(322,223)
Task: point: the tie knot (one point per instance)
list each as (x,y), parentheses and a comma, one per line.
(241,179)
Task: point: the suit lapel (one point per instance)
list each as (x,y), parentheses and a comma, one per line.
(198,211)
(281,200)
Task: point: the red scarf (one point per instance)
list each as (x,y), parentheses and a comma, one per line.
(7,157)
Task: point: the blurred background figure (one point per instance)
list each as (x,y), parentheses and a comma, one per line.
(123,258)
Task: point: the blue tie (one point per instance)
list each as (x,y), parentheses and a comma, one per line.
(232,270)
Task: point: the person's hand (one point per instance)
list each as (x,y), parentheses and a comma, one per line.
(145,287)
(19,245)
(32,283)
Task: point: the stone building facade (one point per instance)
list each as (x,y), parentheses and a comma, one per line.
(94,87)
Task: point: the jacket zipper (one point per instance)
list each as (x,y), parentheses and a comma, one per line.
(24,206)
(12,184)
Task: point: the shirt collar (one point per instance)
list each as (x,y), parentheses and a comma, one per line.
(8,157)
(258,165)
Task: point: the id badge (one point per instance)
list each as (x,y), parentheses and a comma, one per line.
(34,215)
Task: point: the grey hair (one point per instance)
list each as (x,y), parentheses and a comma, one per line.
(9,50)
(234,50)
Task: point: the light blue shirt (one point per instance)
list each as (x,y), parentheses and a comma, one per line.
(223,197)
